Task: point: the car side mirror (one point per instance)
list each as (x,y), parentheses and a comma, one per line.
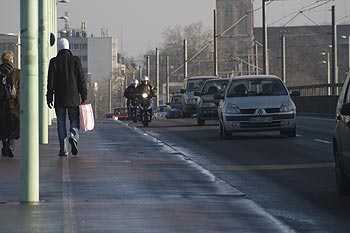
(345,109)
(182,91)
(295,93)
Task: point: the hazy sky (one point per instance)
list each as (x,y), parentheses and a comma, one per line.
(138,24)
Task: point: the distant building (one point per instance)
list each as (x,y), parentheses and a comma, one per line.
(306,47)
(235,40)
(97,54)
(12,43)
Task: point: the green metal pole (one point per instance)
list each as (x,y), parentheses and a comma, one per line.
(29,158)
(50,49)
(43,69)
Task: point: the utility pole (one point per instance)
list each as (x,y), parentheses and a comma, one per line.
(148,66)
(110,95)
(265,51)
(215,45)
(157,75)
(185,58)
(29,136)
(140,71)
(283,56)
(256,48)
(167,80)
(334,54)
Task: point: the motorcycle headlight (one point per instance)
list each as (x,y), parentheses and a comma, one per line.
(208,105)
(144,95)
(232,109)
(286,107)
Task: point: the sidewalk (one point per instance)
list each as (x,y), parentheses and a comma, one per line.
(125,181)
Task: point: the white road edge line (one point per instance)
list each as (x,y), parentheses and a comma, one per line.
(322,141)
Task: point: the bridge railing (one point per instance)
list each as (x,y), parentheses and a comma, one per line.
(317,89)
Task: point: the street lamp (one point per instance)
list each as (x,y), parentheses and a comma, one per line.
(328,71)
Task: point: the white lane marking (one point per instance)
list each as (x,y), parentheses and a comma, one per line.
(323,141)
(278,166)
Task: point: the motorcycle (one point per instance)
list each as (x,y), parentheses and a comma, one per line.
(145,107)
(133,110)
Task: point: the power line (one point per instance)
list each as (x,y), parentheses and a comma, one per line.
(305,8)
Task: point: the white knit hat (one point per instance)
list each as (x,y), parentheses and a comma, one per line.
(62,43)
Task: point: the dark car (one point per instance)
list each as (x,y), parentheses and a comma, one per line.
(174,109)
(189,100)
(207,105)
(341,140)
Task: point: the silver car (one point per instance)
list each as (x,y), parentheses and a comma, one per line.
(256,103)
(341,140)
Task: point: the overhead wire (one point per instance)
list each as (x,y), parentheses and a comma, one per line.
(297,12)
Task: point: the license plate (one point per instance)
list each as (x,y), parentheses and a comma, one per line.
(261,120)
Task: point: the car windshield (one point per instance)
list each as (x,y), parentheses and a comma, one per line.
(120,111)
(176,99)
(254,87)
(162,109)
(195,84)
(214,87)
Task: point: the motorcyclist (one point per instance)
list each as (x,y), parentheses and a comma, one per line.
(145,87)
(130,93)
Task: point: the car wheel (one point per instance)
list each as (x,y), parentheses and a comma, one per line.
(343,183)
(200,121)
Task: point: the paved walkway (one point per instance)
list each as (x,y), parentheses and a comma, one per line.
(123,180)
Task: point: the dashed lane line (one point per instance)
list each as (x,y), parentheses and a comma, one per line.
(278,166)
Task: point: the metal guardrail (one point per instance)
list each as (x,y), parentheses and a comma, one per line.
(317,89)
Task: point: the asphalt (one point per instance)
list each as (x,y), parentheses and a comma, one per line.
(124,180)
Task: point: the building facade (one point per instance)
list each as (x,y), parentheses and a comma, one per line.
(235,37)
(97,54)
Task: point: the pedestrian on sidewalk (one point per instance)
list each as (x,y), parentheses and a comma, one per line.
(66,90)
(9,103)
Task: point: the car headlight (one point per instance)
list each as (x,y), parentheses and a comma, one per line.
(286,107)
(232,109)
(208,105)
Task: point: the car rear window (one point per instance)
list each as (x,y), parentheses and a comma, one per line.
(214,87)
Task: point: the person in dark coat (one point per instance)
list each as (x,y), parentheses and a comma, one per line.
(9,103)
(66,90)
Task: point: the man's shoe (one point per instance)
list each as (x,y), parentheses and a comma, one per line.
(3,152)
(61,154)
(74,146)
(9,152)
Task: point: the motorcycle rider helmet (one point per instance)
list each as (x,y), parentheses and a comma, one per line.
(135,82)
(144,79)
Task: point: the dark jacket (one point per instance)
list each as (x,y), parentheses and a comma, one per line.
(66,80)
(9,106)
(145,88)
(130,92)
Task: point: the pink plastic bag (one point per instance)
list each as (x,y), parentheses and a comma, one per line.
(87,121)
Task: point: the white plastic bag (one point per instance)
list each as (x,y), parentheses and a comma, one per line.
(87,121)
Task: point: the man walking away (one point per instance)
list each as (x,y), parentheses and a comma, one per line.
(66,87)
